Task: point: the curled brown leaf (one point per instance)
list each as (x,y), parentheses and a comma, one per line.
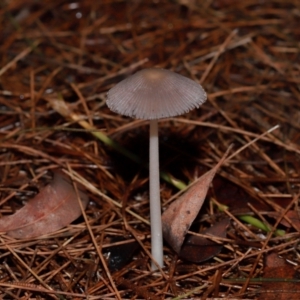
(198,249)
(178,217)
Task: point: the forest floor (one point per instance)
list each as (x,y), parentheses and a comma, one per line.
(58,61)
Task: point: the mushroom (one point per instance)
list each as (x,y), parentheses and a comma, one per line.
(152,94)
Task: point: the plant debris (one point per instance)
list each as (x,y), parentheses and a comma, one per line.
(58,60)
(179,216)
(280,280)
(198,249)
(53,208)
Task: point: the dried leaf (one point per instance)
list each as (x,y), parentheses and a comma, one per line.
(53,208)
(281,280)
(237,198)
(178,217)
(292,215)
(198,249)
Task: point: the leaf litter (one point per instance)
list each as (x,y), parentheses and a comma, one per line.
(280,280)
(178,217)
(249,67)
(198,249)
(53,208)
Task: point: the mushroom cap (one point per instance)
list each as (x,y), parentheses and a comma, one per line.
(154,94)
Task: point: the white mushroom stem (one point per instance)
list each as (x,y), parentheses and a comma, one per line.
(155,206)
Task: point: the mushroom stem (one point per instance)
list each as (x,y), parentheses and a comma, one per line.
(155,206)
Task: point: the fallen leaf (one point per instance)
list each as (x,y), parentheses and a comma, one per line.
(237,199)
(293,217)
(53,208)
(281,280)
(178,217)
(198,249)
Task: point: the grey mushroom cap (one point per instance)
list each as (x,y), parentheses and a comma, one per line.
(154,94)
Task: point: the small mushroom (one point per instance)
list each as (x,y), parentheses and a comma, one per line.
(152,94)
